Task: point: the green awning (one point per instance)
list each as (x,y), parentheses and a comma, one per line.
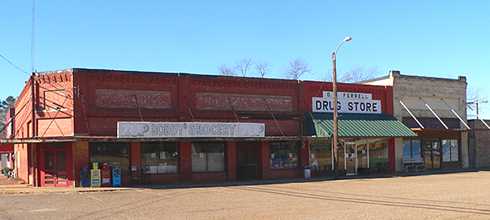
(356,125)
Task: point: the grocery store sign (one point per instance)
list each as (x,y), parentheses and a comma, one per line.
(189,129)
(347,102)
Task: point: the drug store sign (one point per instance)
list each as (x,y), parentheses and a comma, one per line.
(348,102)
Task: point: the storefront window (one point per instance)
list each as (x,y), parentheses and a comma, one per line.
(208,157)
(412,150)
(321,155)
(378,154)
(114,154)
(159,157)
(284,155)
(450,150)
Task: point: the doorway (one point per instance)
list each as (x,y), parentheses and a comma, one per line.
(248,161)
(54,161)
(350,158)
(432,154)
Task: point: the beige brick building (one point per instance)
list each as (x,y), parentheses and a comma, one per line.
(418,101)
(479,144)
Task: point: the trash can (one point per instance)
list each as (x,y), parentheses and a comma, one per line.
(307,172)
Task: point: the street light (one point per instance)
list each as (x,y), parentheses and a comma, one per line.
(335,110)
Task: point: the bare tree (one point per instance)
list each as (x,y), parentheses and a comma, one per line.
(473,94)
(297,68)
(358,74)
(244,65)
(5,106)
(226,70)
(262,68)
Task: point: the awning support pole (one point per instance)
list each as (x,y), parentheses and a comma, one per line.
(345,159)
(483,121)
(413,116)
(437,116)
(456,114)
(367,147)
(460,119)
(333,163)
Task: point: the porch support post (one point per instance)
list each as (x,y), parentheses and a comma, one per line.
(345,160)
(367,147)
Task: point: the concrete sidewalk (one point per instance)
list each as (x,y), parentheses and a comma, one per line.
(6,181)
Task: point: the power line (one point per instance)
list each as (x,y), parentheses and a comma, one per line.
(12,64)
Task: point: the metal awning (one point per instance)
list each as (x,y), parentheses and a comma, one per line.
(356,125)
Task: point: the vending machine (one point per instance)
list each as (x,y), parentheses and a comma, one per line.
(95,175)
(85,177)
(116,176)
(106,174)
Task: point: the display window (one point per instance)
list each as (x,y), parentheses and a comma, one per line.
(378,154)
(113,154)
(208,157)
(284,155)
(159,157)
(412,151)
(450,150)
(321,155)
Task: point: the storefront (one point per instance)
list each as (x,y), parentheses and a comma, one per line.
(161,128)
(366,130)
(356,156)
(435,109)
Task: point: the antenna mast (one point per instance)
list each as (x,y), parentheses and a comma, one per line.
(33,34)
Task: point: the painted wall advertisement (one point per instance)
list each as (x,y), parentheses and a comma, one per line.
(348,102)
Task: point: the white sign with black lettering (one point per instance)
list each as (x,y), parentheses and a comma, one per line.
(347,102)
(188,129)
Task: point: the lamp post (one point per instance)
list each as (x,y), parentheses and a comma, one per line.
(335,100)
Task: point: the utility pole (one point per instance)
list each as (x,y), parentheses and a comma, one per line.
(335,106)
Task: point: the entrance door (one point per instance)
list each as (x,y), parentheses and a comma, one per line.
(54,166)
(350,158)
(362,158)
(432,154)
(248,161)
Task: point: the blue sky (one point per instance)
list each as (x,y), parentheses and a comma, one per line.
(434,38)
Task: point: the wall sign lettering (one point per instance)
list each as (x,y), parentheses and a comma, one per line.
(348,102)
(131,99)
(188,129)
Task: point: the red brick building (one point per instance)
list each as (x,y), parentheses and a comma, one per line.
(77,111)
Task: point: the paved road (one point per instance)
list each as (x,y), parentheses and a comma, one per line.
(450,196)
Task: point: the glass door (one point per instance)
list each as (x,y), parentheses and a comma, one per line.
(362,159)
(436,154)
(350,158)
(432,154)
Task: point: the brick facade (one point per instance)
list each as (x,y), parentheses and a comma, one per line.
(479,144)
(441,94)
(86,104)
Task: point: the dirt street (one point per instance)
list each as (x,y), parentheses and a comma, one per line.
(449,196)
